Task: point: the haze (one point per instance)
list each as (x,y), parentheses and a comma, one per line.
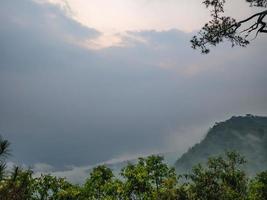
(83,82)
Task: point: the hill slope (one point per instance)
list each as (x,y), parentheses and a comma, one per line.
(245,134)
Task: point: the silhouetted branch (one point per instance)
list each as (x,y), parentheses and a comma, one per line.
(222,27)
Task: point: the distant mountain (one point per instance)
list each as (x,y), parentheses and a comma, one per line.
(245,134)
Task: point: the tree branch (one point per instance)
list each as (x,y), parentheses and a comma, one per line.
(221,27)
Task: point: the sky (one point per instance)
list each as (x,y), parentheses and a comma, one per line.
(86,82)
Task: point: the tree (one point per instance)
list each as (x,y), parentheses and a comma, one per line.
(222,178)
(221,27)
(47,187)
(158,172)
(4,152)
(171,190)
(96,185)
(150,178)
(17,186)
(258,187)
(136,185)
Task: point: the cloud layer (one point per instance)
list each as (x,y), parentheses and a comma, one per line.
(64,104)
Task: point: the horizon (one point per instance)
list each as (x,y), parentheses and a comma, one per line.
(90,82)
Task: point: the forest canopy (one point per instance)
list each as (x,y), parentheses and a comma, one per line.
(221,178)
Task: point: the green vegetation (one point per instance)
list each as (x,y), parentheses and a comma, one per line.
(245,134)
(220,174)
(222,178)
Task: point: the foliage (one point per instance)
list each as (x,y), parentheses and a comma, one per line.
(4,151)
(145,179)
(222,27)
(245,134)
(258,187)
(99,183)
(53,188)
(17,185)
(222,178)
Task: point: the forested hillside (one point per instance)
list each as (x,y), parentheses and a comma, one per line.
(222,177)
(245,134)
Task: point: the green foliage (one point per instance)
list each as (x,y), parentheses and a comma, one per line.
(17,185)
(137,185)
(221,178)
(98,185)
(49,187)
(258,187)
(150,179)
(245,134)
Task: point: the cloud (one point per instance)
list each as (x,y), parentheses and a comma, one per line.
(46,21)
(115,18)
(42,167)
(131,15)
(78,174)
(125,15)
(63,104)
(105,41)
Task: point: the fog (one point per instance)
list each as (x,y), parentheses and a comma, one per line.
(64,104)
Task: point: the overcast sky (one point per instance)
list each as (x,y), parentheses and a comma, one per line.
(83,82)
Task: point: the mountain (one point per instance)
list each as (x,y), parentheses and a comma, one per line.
(245,134)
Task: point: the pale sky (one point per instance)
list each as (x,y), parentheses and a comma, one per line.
(135,15)
(114,17)
(65,105)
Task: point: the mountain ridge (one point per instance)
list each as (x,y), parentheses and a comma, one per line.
(244,134)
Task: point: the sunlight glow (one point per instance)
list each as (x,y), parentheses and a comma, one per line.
(118,16)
